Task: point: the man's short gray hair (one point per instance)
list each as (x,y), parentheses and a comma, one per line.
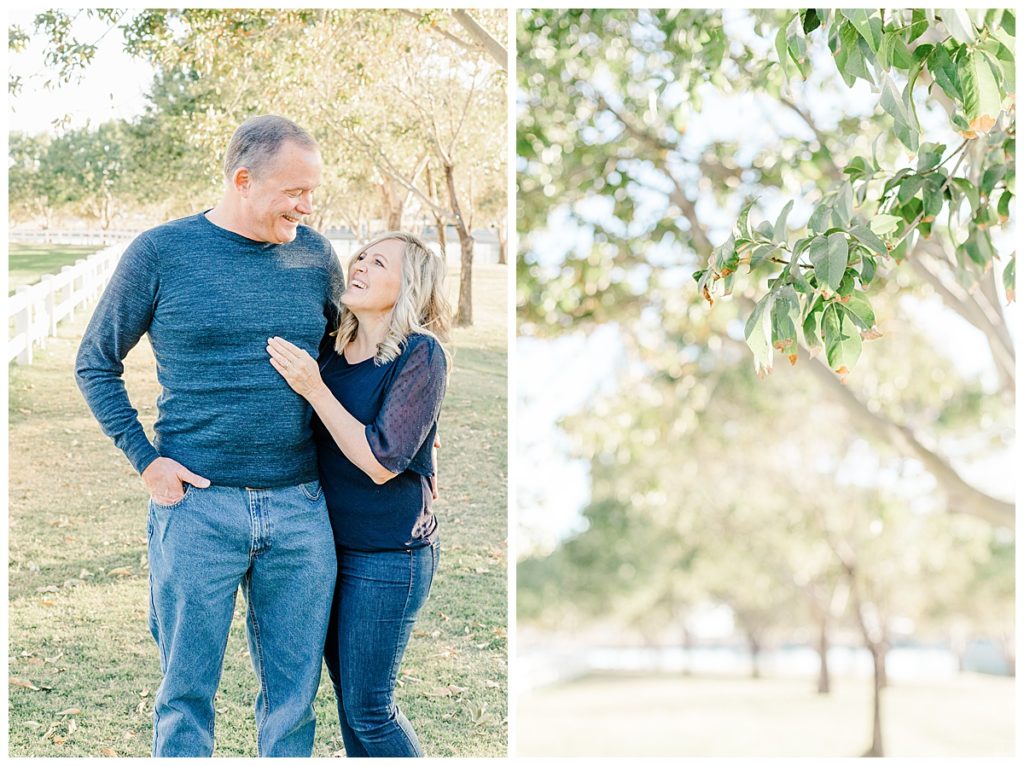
(258,139)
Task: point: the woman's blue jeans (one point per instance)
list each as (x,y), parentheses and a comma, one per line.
(277,545)
(376,600)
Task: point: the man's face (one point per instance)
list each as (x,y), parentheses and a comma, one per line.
(281,193)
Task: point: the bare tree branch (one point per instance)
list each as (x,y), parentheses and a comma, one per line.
(482,40)
(961,496)
(493,48)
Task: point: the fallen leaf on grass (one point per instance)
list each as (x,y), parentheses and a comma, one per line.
(48,589)
(70,711)
(144,693)
(492,684)
(58,740)
(84,574)
(480,716)
(481,570)
(48,602)
(446,691)
(120,572)
(23,684)
(108,752)
(72,727)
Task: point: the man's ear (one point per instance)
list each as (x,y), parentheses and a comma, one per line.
(241,180)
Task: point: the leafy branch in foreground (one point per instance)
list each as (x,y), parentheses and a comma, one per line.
(818,284)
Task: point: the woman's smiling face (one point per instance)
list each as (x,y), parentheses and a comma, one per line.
(375,278)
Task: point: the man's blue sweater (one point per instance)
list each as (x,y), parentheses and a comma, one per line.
(209,300)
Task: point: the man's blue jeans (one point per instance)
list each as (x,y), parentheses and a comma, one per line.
(277,545)
(376,601)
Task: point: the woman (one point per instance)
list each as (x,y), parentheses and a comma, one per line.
(377,395)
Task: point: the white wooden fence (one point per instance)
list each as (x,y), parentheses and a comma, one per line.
(36,309)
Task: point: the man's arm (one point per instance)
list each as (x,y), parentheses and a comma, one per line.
(121,318)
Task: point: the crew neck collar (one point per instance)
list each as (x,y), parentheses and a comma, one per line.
(231,235)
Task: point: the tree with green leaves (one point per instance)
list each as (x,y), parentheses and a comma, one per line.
(612,144)
(392,92)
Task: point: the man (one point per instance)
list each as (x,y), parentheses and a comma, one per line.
(232,475)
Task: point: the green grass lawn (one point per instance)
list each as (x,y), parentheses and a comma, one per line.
(83,665)
(671,715)
(27,263)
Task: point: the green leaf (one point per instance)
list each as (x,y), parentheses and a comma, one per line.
(741,223)
(758,333)
(969,190)
(846,286)
(959,24)
(884,224)
(929,155)
(829,256)
(785,314)
(812,325)
(868,26)
(898,106)
(869,239)
(933,195)
(918,25)
(868,269)
(811,21)
(982,99)
(944,71)
(911,209)
(819,217)
(798,53)
(842,210)
(848,56)
(842,340)
(860,309)
(779,230)
(1009,280)
(910,186)
(781,46)
(992,175)
(760,255)
(1003,207)
(1009,23)
(857,168)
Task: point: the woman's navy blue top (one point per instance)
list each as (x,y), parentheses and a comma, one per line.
(399,403)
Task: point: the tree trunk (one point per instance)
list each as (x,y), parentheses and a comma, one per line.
(392,206)
(878,660)
(688,648)
(824,680)
(755,655)
(464,315)
(883,674)
(502,243)
(442,239)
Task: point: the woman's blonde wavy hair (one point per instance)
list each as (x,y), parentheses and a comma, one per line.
(421,306)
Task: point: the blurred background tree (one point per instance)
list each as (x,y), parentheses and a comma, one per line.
(868,506)
(393,97)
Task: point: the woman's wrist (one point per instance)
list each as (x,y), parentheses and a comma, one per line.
(319,396)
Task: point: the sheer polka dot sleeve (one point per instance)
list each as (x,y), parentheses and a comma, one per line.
(411,406)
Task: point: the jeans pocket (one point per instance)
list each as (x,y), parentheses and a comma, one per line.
(312,490)
(188,489)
